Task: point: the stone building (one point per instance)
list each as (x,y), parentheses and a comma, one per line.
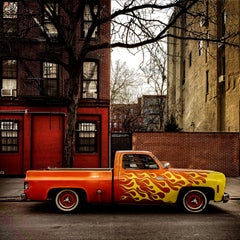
(204,67)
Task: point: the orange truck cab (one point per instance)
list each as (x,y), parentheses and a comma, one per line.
(138,177)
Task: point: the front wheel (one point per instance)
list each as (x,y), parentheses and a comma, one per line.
(194,201)
(67,200)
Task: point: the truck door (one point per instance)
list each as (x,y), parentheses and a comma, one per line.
(140,180)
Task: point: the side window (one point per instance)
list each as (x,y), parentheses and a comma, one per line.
(138,161)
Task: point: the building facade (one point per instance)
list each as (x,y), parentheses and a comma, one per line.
(204,67)
(153,112)
(34,93)
(125,118)
(146,115)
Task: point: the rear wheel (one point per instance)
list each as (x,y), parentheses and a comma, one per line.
(194,201)
(67,200)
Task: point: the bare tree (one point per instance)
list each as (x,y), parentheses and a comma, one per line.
(124,94)
(134,24)
(123,83)
(154,70)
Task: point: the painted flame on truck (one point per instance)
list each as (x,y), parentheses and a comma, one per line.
(151,187)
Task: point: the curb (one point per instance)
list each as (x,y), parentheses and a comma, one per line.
(11,199)
(234,198)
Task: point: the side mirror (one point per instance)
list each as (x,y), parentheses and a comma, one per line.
(166,165)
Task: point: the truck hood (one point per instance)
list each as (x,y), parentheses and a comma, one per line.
(196,174)
(187,170)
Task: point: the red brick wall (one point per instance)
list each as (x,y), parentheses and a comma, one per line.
(214,151)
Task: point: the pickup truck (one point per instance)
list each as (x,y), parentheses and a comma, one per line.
(138,177)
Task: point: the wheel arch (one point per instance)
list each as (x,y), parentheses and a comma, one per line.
(81,193)
(209,192)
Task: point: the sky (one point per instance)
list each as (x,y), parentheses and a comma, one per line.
(133,61)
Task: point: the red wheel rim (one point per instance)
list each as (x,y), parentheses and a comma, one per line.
(194,200)
(67,199)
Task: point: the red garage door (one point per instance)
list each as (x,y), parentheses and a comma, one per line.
(47,141)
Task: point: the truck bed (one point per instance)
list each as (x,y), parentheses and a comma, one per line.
(89,180)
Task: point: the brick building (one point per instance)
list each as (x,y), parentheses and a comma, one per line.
(33,97)
(146,115)
(204,75)
(125,118)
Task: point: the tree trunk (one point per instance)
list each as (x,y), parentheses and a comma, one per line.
(72,109)
(69,141)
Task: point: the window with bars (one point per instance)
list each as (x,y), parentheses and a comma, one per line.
(90,10)
(86,137)
(50,79)
(9,136)
(10,15)
(9,78)
(90,80)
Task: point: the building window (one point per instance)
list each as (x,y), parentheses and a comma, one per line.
(50,79)
(90,80)
(90,12)
(200,47)
(207,82)
(86,137)
(183,72)
(224,22)
(9,78)
(8,136)
(207,45)
(51,9)
(190,59)
(10,15)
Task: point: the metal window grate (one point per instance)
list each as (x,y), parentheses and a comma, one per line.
(9,136)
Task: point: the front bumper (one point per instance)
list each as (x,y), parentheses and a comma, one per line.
(23,197)
(225,197)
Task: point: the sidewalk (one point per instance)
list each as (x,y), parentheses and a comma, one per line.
(12,188)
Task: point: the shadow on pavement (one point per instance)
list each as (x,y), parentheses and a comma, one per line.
(48,207)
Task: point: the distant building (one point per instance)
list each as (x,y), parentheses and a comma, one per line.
(146,115)
(204,76)
(152,112)
(125,118)
(33,105)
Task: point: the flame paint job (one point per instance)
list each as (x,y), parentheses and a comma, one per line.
(141,186)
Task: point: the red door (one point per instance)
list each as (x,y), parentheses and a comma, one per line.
(47,141)
(11,130)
